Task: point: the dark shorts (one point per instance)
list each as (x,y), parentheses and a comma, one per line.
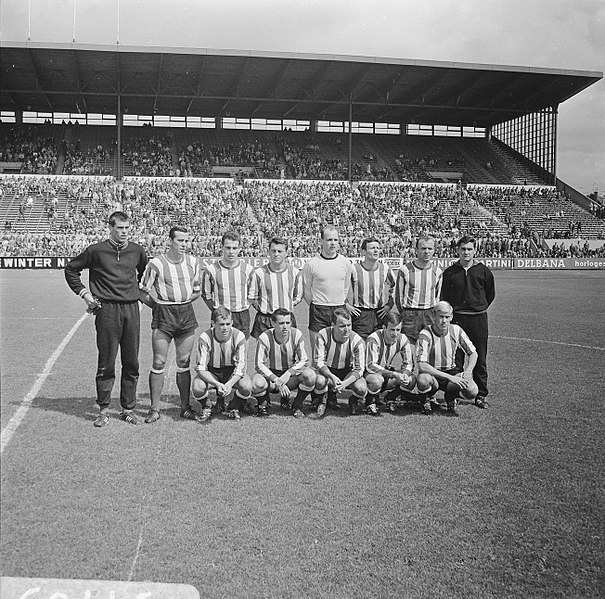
(175,320)
(241,322)
(222,375)
(367,322)
(413,321)
(341,373)
(385,381)
(263,322)
(277,373)
(442,382)
(320,317)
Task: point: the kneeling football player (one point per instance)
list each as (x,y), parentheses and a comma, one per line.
(382,348)
(282,365)
(436,354)
(340,357)
(221,365)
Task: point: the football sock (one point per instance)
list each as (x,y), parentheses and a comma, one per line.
(156,384)
(183,382)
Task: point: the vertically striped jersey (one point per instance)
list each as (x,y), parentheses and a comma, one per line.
(173,283)
(440,350)
(272,355)
(214,354)
(417,287)
(349,355)
(381,356)
(372,288)
(227,287)
(274,290)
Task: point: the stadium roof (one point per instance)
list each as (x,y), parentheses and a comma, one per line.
(78,78)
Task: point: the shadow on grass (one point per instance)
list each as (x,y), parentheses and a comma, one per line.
(86,408)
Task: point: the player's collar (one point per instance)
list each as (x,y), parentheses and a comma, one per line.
(375,267)
(181,259)
(326,258)
(218,340)
(283,341)
(420,267)
(440,334)
(282,270)
(336,340)
(220,261)
(117,246)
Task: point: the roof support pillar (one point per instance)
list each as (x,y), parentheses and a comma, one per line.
(554,136)
(119,138)
(350,137)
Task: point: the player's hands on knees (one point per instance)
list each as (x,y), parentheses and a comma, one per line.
(283,379)
(284,391)
(340,386)
(459,381)
(334,381)
(403,379)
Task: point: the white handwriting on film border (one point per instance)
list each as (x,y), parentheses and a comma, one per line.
(88,594)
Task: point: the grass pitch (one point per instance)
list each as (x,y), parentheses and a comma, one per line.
(505,502)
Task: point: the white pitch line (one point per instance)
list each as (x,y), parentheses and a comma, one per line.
(551,342)
(27,401)
(20,318)
(144,503)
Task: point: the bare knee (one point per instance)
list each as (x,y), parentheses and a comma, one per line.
(471,391)
(424,382)
(321,383)
(374,382)
(199,388)
(308,377)
(159,362)
(244,385)
(359,387)
(259,384)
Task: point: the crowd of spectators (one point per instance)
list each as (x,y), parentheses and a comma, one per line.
(304,161)
(394,213)
(576,249)
(598,210)
(149,156)
(37,154)
(193,161)
(91,162)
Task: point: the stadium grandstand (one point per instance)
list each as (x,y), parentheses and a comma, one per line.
(281,143)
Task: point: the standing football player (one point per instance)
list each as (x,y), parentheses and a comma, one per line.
(175,280)
(417,289)
(115,267)
(226,282)
(372,283)
(277,284)
(326,282)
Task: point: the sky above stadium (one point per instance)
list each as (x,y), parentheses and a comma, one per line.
(558,34)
